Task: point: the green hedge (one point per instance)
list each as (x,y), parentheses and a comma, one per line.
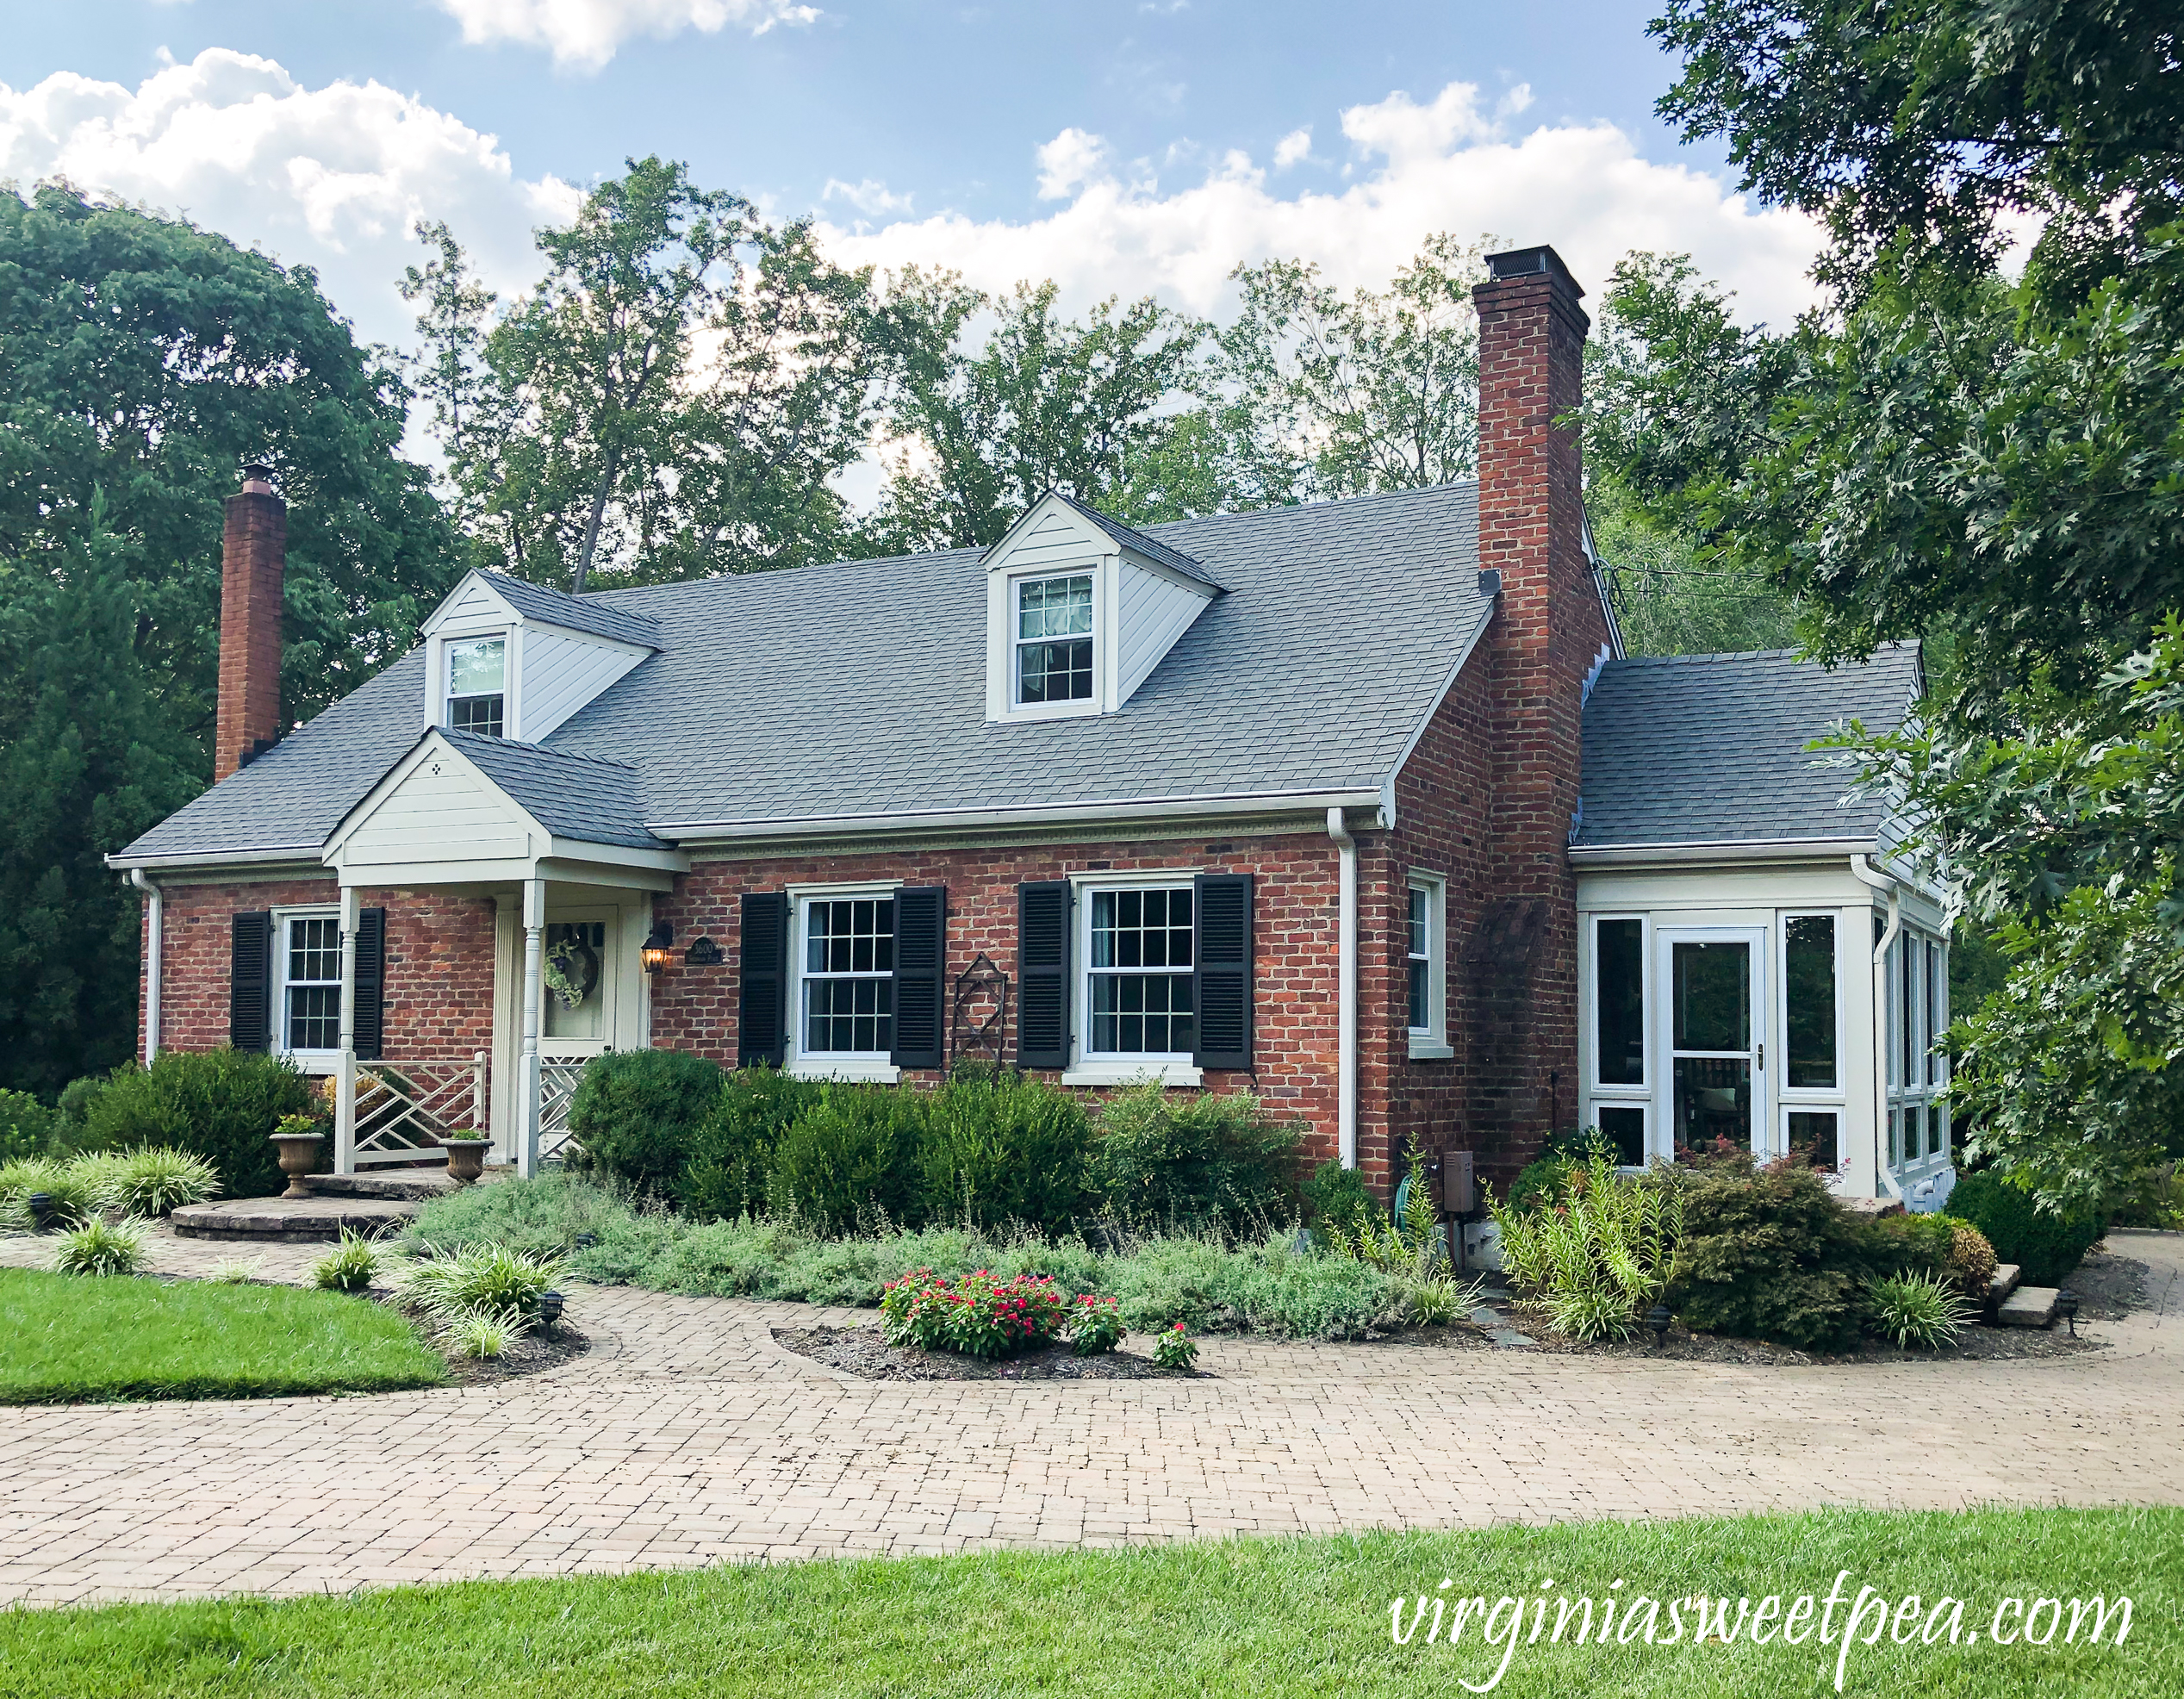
(637,1113)
(1172,1161)
(219,1104)
(2045,1246)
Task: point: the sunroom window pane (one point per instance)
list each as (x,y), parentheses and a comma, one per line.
(1621,972)
(1811,993)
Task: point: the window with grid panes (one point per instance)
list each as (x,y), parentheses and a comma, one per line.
(848,976)
(1054,640)
(1138,974)
(311,983)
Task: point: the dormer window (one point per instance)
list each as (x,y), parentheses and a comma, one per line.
(477,677)
(1054,640)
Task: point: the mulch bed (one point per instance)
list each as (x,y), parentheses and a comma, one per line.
(527,1353)
(861,1352)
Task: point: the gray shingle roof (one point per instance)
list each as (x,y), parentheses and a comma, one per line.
(859,689)
(1710,749)
(595,614)
(571,795)
(1150,546)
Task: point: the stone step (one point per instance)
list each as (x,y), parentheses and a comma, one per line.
(2003,1283)
(2028,1307)
(292,1220)
(410,1185)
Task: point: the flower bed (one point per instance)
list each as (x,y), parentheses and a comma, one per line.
(981,1314)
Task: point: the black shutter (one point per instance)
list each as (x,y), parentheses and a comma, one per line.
(250,982)
(371,1033)
(761,1016)
(1043,974)
(1220,972)
(921,953)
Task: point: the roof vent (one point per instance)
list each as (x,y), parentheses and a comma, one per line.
(1489,582)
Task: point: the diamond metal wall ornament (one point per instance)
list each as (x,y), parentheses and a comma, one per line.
(978,1025)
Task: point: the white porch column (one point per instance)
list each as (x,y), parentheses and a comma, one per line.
(345,1099)
(534,935)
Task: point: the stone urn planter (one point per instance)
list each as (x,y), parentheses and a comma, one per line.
(299,1156)
(465,1158)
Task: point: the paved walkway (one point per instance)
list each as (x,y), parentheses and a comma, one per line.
(685,1437)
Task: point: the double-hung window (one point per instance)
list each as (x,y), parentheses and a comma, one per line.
(1053,640)
(1425,966)
(477,679)
(1138,970)
(847,962)
(310,969)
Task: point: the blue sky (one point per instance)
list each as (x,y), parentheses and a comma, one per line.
(1120,146)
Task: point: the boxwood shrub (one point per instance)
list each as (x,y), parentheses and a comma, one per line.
(732,1152)
(636,1114)
(1172,1161)
(2045,1246)
(219,1104)
(851,1159)
(999,1149)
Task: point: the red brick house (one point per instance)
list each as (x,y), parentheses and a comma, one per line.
(1292,799)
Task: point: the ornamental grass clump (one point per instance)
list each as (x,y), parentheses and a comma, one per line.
(479,1335)
(349,1268)
(155,1180)
(102,1247)
(479,1279)
(1603,1254)
(980,1316)
(1923,1309)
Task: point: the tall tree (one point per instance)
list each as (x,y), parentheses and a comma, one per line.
(142,362)
(672,399)
(448,370)
(1045,403)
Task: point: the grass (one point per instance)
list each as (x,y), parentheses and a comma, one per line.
(1289,1617)
(65,1337)
(1160,1279)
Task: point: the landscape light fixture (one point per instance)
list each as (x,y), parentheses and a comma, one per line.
(2066,1305)
(1658,1318)
(41,1211)
(659,947)
(549,1310)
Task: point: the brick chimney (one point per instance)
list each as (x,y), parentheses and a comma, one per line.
(1548,629)
(253,550)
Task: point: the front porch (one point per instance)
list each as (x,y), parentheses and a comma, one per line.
(571,895)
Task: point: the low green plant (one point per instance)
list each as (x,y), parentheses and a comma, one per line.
(851,1159)
(349,1268)
(1769,1253)
(480,1334)
(219,1104)
(1180,1160)
(1175,1349)
(1338,1197)
(2044,1246)
(1095,1326)
(480,1279)
(307,1124)
(999,1149)
(102,1247)
(1971,1260)
(1923,1309)
(2155,1198)
(1603,1254)
(154,1180)
(732,1150)
(1540,1182)
(26,1127)
(1441,1301)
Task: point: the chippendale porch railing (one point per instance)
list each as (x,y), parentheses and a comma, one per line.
(406,1105)
(556,1088)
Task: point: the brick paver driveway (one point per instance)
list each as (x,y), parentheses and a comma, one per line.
(686,1436)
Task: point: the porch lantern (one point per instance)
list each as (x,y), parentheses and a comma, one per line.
(659,947)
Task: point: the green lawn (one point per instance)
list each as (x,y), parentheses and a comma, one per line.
(1266,1618)
(70,1336)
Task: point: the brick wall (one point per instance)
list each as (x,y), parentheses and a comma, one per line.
(439,963)
(252,546)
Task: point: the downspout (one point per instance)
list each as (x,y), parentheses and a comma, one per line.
(155,954)
(1864,868)
(1346,971)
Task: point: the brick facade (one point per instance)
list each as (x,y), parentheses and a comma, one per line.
(253,547)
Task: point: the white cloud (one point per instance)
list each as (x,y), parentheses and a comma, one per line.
(1069,162)
(334,177)
(871,197)
(585,33)
(1293,149)
(1416,169)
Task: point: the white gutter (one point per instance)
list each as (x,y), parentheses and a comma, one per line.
(1863,869)
(686,832)
(155,961)
(305,855)
(1728,850)
(1346,972)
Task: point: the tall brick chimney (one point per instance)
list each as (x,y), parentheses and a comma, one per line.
(1548,629)
(253,550)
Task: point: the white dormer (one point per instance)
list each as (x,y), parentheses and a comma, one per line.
(1079,611)
(517,660)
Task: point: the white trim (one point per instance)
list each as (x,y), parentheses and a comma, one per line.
(1346,995)
(854,1069)
(1141,877)
(1103,1067)
(1013,585)
(324,1060)
(689,833)
(866,1065)
(1429,1043)
(1109,1071)
(1661,1051)
(1723,849)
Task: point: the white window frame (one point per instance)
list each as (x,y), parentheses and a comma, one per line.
(872,1067)
(1815,1100)
(311,1062)
(1920,1008)
(1429,1043)
(1088,1068)
(1005,590)
(1600,1095)
(511,674)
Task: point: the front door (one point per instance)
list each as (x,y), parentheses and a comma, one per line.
(1714,1084)
(581,986)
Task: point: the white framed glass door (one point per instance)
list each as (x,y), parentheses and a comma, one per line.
(1713,1034)
(578,997)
